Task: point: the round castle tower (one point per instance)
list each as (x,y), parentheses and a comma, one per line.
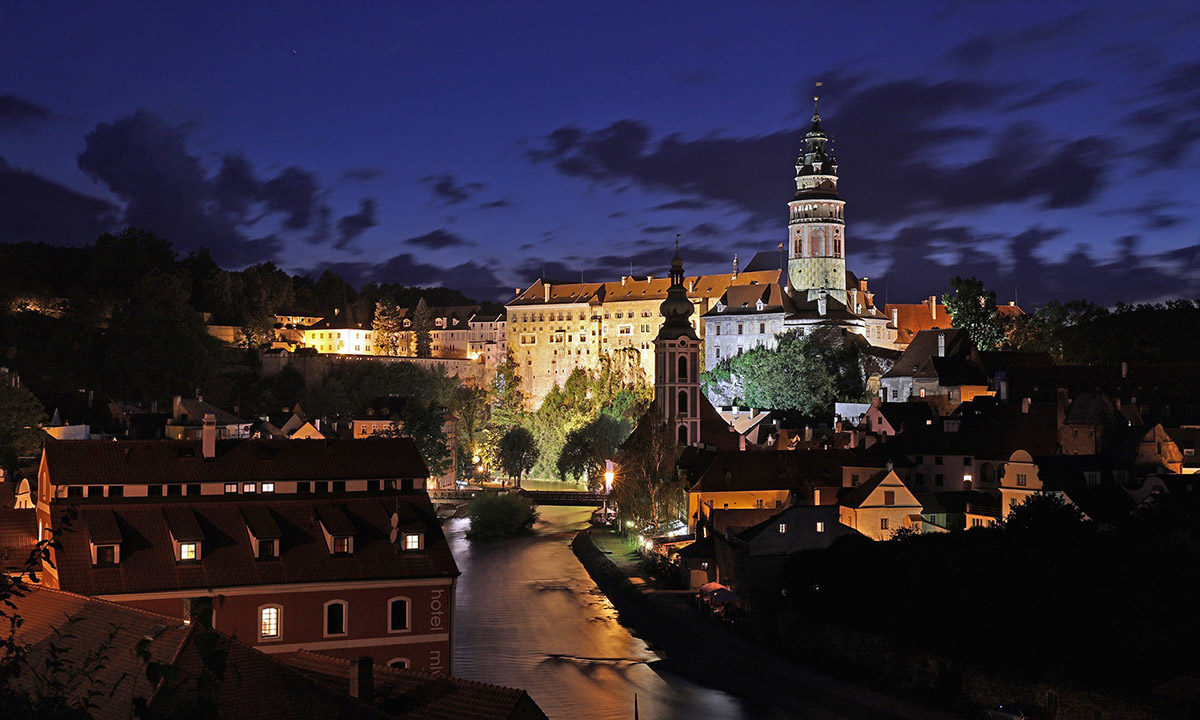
(816,224)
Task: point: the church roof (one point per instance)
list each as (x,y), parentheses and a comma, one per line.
(632,289)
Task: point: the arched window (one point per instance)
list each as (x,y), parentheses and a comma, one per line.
(683,435)
(681,406)
(401,663)
(399,616)
(335,618)
(683,368)
(270,622)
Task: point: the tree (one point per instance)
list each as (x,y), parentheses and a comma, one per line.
(422,325)
(587,448)
(388,328)
(21,416)
(1045,513)
(518,453)
(972,308)
(648,488)
(499,515)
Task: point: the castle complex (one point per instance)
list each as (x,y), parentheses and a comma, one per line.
(554,328)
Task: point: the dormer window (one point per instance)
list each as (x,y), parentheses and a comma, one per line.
(104,536)
(414,541)
(337,529)
(341,545)
(189,551)
(758,305)
(264,532)
(106,555)
(186,534)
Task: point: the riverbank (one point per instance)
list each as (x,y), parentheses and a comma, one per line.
(716,655)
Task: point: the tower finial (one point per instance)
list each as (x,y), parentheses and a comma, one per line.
(676,243)
(816,96)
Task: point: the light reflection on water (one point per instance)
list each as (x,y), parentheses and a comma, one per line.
(529,616)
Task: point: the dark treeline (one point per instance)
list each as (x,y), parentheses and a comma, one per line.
(124,317)
(1048,596)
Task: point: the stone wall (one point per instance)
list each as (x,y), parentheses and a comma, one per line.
(315,367)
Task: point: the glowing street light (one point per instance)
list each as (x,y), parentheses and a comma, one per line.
(608,481)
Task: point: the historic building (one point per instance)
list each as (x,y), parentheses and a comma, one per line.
(327,546)
(554,328)
(815,290)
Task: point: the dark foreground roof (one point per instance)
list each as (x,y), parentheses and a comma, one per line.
(147,557)
(82,462)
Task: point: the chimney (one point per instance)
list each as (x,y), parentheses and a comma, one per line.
(862,284)
(176,408)
(896,317)
(1025,403)
(692,285)
(623,279)
(933,306)
(1124,369)
(808,432)
(517,292)
(821,302)
(735,265)
(546,291)
(941,344)
(208,436)
(649,278)
(362,679)
(783,270)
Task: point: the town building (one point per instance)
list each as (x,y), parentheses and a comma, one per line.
(343,334)
(939,366)
(327,546)
(188,417)
(487,339)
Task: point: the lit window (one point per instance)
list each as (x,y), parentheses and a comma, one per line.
(187,551)
(268,487)
(782,528)
(398,620)
(820,527)
(412,542)
(341,544)
(268,622)
(248,487)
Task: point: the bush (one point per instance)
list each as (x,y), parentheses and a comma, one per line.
(495,516)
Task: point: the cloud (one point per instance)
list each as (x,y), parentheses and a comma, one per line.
(496,204)
(351,226)
(655,261)
(1012,265)
(1171,119)
(474,280)
(446,189)
(365,174)
(1049,94)
(438,239)
(15,111)
(977,52)
(895,141)
(35,209)
(683,204)
(240,217)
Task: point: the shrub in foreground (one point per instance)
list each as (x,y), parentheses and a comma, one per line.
(500,515)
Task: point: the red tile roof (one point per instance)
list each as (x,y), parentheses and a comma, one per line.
(83,462)
(415,696)
(147,559)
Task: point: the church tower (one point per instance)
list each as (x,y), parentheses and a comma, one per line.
(677,361)
(816,225)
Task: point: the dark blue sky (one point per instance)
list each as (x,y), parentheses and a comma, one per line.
(1048,148)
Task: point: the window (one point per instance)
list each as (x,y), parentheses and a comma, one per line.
(820,527)
(188,551)
(889,497)
(341,544)
(967,460)
(739,328)
(116,491)
(268,487)
(398,616)
(682,405)
(95,491)
(1022,479)
(883,523)
(762,327)
(758,503)
(335,618)
(937,460)
(155,491)
(401,663)
(683,368)
(782,528)
(248,487)
(303,487)
(412,541)
(268,622)
(106,555)
(938,480)
(268,549)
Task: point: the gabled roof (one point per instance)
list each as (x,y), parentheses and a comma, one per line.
(194,410)
(798,470)
(913,318)
(412,695)
(655,288)
(744,300)
(148,564)
(95,462)
(921,360)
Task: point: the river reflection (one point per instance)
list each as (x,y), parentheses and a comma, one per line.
(529,616)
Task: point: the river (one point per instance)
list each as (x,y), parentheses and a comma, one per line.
(528,616)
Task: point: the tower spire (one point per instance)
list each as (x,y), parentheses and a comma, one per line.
(816,97)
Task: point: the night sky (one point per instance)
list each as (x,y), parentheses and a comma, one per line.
(1051,149)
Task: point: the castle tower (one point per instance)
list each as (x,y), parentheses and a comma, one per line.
(677,361)
(816,225)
